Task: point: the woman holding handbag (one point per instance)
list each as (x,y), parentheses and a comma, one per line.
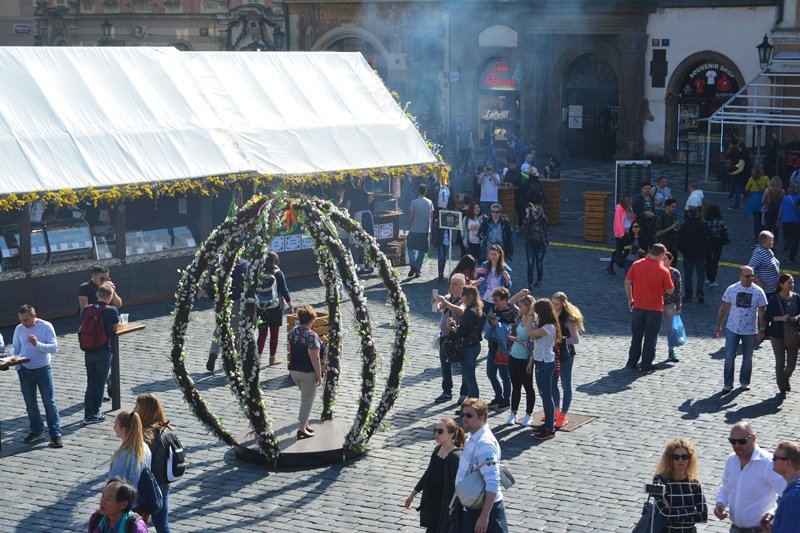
(683,504)
(437,484)
(782,315)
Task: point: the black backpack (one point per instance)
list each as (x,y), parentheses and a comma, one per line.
(92,333)
(169,459)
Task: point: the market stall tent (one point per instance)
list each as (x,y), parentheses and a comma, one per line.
(72,118)
(152,136)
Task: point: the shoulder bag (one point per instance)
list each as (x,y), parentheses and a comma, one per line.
(651,520)
(452,349)
(791,331)
(470,491)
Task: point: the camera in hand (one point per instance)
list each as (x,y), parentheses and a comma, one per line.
(655,489)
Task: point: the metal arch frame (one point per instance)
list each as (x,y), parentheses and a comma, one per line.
(771,113)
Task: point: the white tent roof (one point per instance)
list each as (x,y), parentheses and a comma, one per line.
(98,117)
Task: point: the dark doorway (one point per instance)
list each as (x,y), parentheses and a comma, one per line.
(592,108)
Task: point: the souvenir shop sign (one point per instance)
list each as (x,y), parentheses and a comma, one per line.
(710,80)
(499,75)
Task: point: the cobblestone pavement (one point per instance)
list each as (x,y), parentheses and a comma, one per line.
(590,479)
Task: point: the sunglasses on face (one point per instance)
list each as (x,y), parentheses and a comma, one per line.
(438,431)
(740,442)
(495,212)
(748,276)
(779,458)
(681,456)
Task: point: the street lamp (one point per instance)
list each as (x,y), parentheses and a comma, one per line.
(764,52)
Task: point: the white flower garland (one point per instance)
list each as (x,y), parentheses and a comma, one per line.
(248,233)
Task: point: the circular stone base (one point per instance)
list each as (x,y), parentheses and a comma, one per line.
(324,448)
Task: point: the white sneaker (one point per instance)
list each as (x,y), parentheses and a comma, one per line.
(527,420)
(512,419)
(714,284)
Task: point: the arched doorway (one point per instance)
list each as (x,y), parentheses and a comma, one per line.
(367,49)
(592,108)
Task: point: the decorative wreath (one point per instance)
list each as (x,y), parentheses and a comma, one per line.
(246,234)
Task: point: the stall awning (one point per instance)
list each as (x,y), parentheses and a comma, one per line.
(77,118)
(771,99)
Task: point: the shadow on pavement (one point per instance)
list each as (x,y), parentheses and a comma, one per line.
(615,381)
(54,514)
(713,404)
(768,406)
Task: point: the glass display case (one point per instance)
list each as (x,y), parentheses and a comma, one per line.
(69,240)
(159,240)
(9,246)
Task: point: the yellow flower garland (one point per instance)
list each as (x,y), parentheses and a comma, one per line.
(212,185)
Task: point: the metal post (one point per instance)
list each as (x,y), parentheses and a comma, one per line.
(450,251)
(115,381)
(686,164)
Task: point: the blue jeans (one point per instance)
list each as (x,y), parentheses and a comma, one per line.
(501,392)
(566,383)
(97,367)
(535,255)
(415,258)
(161,518)
(643,324)
(468,365)
(544,373)
(464,520)
(738,191)
(731,342)
(29,381)
(447,373)
(693,266)
(441,250)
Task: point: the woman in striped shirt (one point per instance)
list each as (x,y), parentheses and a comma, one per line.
(683,504)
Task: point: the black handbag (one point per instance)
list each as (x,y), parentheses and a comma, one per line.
(651,521)
(452,349)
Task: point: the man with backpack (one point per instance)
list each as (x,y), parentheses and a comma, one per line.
(99,323)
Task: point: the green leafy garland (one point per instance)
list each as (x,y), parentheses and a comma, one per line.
(247,233)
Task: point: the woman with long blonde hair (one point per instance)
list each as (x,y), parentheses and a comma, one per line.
(570,320)
(683,503)
(133,455)
(154,423)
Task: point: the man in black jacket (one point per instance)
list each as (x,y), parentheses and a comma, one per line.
(693,239)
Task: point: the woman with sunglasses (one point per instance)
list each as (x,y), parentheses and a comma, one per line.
(437,484)
(634,245)
(683,504)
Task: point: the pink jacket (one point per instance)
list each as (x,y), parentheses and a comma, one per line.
(619,221)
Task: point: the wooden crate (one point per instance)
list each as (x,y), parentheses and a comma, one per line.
(552,204)
(320,325)
(595,225)
(395,251)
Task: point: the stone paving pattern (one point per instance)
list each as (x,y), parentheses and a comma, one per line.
(590,479)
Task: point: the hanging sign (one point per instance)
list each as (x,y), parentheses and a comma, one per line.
(498,75)
(710,80)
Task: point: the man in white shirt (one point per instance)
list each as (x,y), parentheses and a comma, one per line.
(35,339)
(695,199)
(481,452)
(489,181)
(750,487)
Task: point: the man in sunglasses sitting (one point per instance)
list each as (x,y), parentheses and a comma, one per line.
(750,486)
